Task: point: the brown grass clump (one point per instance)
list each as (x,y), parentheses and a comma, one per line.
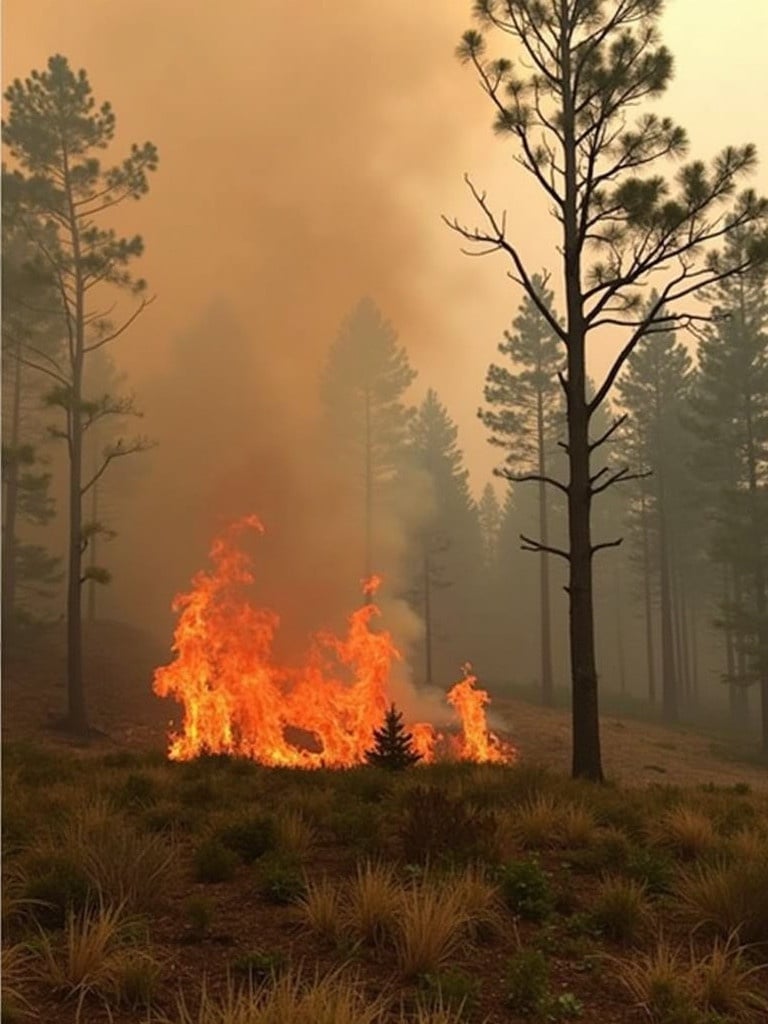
(621,909)
(17,970)
(537,823)
(374,898)
(295,836)
(290,999)
(688,833)
(431,926)
(479,899)
(577,826)
(728,897)
(97,954)
(725,984)
(322,908)
(660,984)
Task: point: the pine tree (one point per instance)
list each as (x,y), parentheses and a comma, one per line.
(55,134)
(525,417)
(448,545)
(730,422)
(575,107)
(489,514)
(393,748)
(365,379)
(652,391)
(29,328)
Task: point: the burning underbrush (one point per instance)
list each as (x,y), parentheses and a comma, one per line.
(322,713)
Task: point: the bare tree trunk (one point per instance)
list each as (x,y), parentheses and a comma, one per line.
(11,503)
(547,684)
(587,759)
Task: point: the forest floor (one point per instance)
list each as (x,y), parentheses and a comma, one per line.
(120,661)
(220,892)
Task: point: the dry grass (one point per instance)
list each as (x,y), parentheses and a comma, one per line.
(95,955)
(728,897)
(479,900)
(430,928)
(536,823)
(333,999)
(374,898)
(435,1014)
(621,909)
(660,984)
(295,836)
(322,909)
(689,833)
(725,984)
(748,845)
(17,971)
(577,826)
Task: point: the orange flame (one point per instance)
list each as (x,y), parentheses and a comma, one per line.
(236,701)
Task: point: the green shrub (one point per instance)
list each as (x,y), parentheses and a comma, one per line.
(653,868)
(138,790)
(526,890)
(213,862)
(199,914)
(280,880)
(257,967)
(58,885)
(249,838)
(452,990)
(358,826)
(527,982)
(433,826)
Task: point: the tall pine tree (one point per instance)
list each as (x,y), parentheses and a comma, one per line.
(366,377)
(524,418)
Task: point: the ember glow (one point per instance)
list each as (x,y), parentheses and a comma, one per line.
(237,701)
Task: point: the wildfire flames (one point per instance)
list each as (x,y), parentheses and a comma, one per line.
(237,701)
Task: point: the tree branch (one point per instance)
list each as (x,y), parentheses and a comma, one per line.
(533,545)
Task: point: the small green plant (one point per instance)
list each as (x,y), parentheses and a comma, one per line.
(138,790)
(527,982)
(450,989)
(566,1006)
(250,838)
(256,967)
(280,880)
(525,889)
(213,862)
(56,885)
(393,747)
(653,868)
(199,914)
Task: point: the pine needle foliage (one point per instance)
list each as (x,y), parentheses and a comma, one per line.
(393,748)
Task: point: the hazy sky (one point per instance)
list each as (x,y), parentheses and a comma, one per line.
(306,154)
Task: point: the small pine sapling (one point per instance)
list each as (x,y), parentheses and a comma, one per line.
(393,748)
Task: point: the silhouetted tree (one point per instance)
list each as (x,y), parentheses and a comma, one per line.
(652,391)
(54,132)
(525,417)
(393,746)
(448,540)
(585,66)
(29,320)
(365,378)
(730,422)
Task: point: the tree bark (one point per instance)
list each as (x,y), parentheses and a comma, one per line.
(427,620)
